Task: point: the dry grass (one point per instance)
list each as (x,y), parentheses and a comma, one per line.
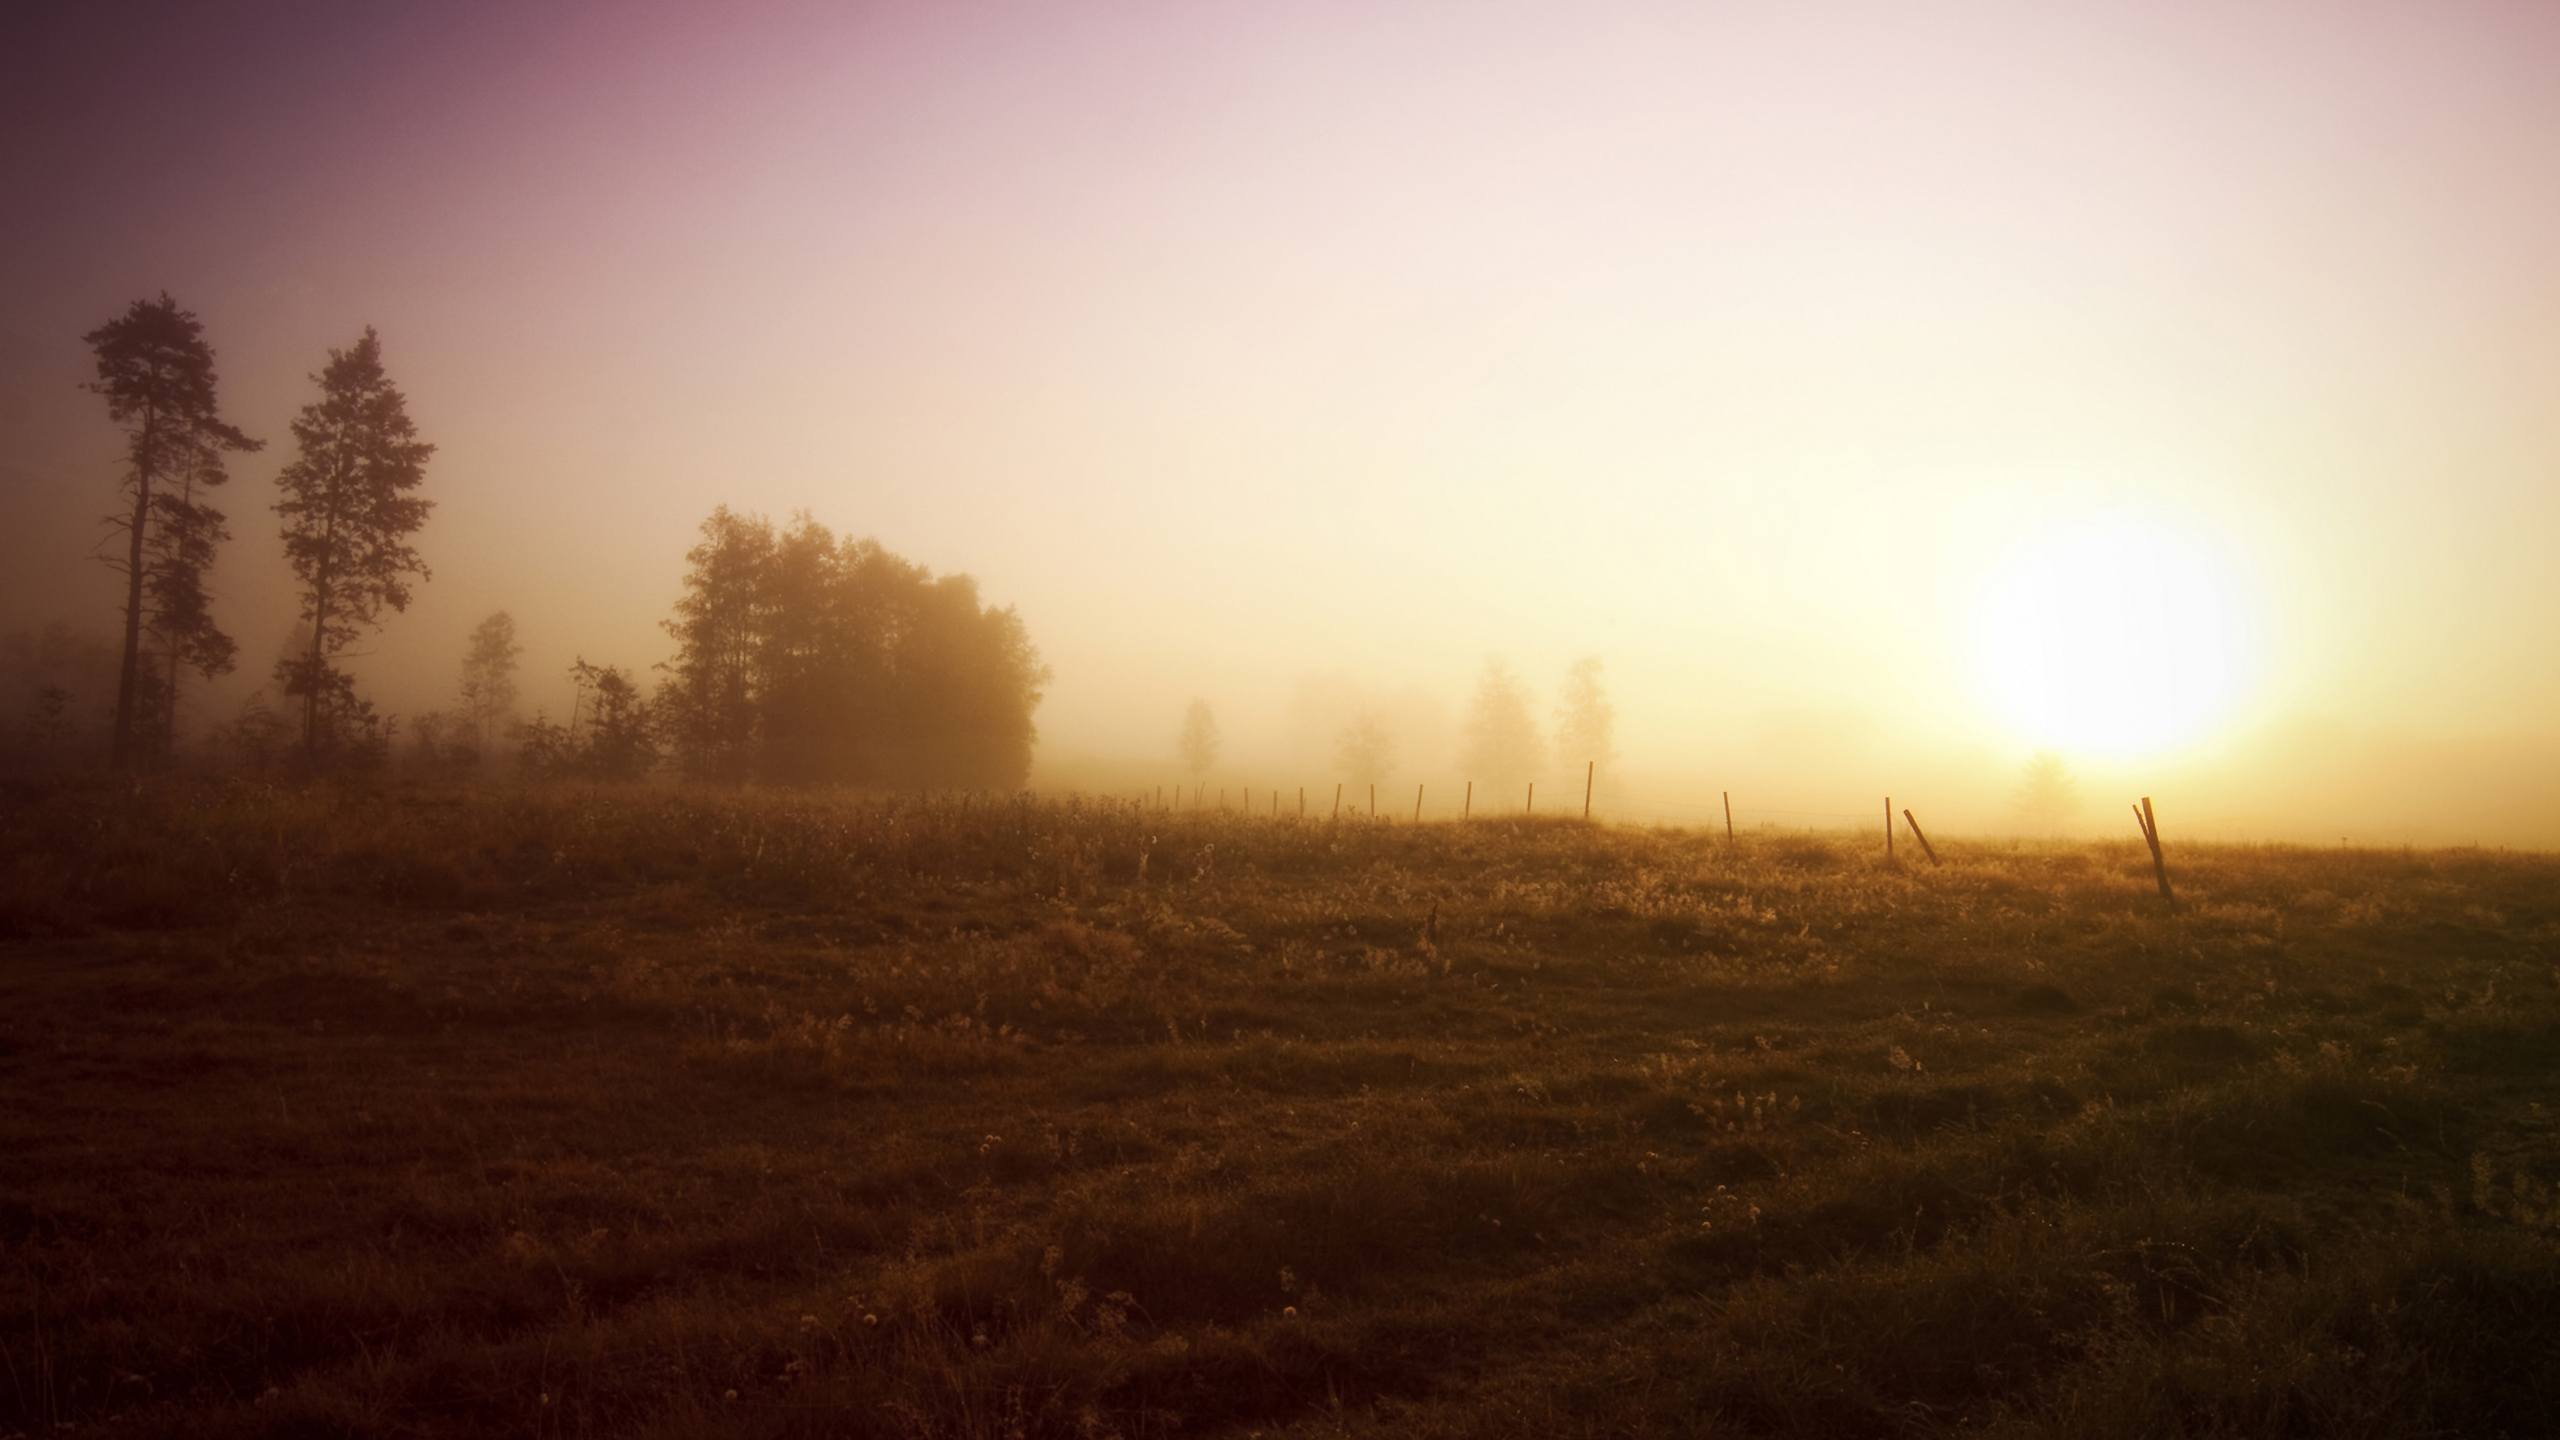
(654,1112)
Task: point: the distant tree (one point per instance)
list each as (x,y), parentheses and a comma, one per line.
(1365,753)
(348,513)
(713,691)
(619,744)
(437,741)
(182,548)
(801,657)
(1197,744)
(542,746)
(257,736)
(156,372)
(1504,750)
(48,722)
(489,678)
(2048,799)
(1586,723)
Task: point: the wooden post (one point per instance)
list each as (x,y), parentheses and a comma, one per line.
(1373,799)
(1417,804)
(2151,836)
(1302,802)
(1467,810)
(1925,847)
(1589,768)
(1728,817)
(1888,827)
(1532,807)
(1337,799)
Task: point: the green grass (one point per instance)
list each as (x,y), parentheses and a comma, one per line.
(655,1112)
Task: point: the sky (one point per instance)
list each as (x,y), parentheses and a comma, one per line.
(1884,391)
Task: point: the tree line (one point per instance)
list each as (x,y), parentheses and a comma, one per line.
(1503,746)
(800,657)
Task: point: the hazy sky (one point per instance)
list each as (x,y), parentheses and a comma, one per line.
(1821,367)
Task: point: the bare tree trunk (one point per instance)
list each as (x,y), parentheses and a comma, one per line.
(311,676)
(169,697)
(129,677)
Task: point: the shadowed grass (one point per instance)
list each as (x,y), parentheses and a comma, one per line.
(677,1113)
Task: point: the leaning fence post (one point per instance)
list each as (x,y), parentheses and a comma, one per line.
(1417,804)
(1531,808)
(2151,836)
(1728,817)
(1925,847)
(1467,811)
(1337,799)
(1589,768)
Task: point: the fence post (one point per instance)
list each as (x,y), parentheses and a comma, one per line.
(1302,802)
(1373,799)
(1925,847)
(1888,827)
(1589,768)
(1728,817)
(2151,836)
(1467,811)
(1532,807)
(1337,799)
(1417,804)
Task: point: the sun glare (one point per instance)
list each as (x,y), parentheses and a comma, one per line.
(2112,637)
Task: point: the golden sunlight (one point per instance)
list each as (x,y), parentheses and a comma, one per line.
(2113,636)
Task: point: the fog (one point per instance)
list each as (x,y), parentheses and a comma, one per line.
(1304,359)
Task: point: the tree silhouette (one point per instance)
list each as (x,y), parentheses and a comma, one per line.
(619,742)
(156,372)
(712,688)
(182,627)
(1365,753)
(1503,746)
(489,677)
(347,515)
(2048,799)
(801,657)
(1197,744)
(48,721)
(1586,723)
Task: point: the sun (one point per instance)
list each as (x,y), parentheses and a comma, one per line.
(2113,637)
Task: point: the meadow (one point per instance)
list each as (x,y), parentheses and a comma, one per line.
(662,1112)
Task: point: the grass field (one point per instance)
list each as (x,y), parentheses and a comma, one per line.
(651,1112)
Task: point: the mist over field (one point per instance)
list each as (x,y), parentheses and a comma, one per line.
(1303,360)
(934,720)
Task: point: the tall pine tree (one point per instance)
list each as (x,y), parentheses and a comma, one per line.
(348,513)
(156,372)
